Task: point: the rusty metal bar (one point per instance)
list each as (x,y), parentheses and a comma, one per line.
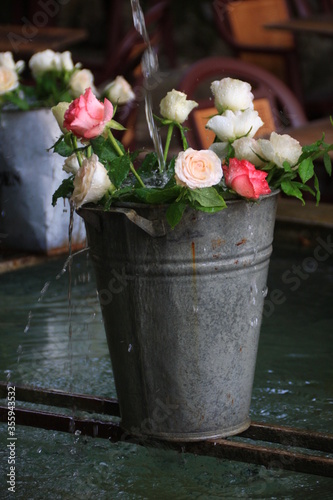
(269,457)
(62,399)
(289,436)
(222,448)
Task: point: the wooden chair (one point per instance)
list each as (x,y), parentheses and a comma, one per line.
(242,25)
(276,104)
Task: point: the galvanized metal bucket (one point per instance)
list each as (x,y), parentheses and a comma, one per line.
(182,311)
(29,175)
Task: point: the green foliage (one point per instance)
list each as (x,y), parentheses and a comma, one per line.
(118,169)
(63,147)
(175,212)
(105,150)
(65,190)
(293,180)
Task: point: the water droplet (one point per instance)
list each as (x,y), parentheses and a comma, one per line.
(39,450)
(44,290)
(264,291)
(28,323)
(71,425)
(19,349)
(77,433)
(130,347)
(254,322)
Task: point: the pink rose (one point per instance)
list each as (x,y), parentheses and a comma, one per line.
(86,116)
(245,179)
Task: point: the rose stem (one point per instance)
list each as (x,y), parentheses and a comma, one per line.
(78,156)
(167,142)
(185,145)
(120,153)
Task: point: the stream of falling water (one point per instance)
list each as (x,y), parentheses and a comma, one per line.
(149,69)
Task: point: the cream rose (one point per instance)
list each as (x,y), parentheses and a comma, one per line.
(174,106)
(281,148)
(80,81)
(247,148)
(233,125)
(119,91)
(233,94)
(71,165)
(59,113)
(8,80)
(198,169)
(7,60)
(91,182)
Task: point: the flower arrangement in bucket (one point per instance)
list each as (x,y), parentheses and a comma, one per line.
(181,250)
(236,164)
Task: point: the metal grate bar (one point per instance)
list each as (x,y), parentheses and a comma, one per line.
(290,436)
(221,448)
(62,399)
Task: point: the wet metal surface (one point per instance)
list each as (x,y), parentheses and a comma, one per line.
(293,455)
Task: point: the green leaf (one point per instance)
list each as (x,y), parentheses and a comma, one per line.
(62,148)
(158,195)
(290,189)
(206,197)
(175,212)
(316,186)
(18,101)
(286,166)
(118,169)
(104,150)
(306,170)
(65,189)
(115,125)
(327,163)
(149,164)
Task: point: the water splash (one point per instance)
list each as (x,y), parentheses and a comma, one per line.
(149,68)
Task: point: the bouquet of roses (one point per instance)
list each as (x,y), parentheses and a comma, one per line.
(56,79)
(236,165)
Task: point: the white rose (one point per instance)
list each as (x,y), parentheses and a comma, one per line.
(198,169)
(7,60)
(59,113)
(233,125)
(232,94)
(46,60)
(174,106)
(66,61)
(71,165)
(80,81)
(280,148)
(247,148)
(91,182)
(119,91)
(8,80)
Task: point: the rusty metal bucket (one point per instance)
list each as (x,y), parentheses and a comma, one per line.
(182,312)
